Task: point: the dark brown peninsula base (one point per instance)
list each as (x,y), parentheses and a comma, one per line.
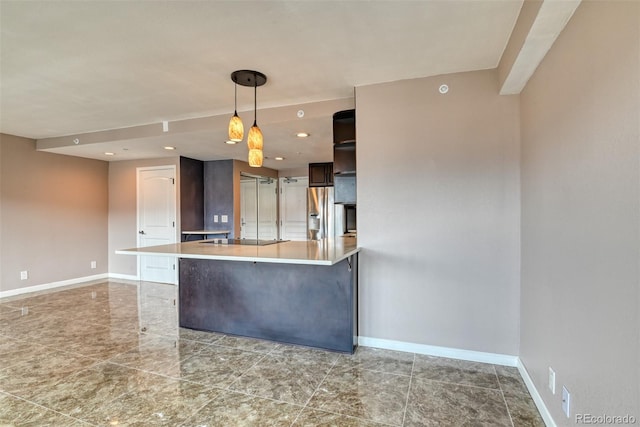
(313,305)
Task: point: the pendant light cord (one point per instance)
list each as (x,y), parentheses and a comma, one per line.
(235,99)
(255,100)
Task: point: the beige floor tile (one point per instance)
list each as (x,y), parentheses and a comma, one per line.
(103,343)
(433,403)
(510,380)
(523,411)
(307,353)
(217,366)
(288,377)
(371,395)
(14,351)
(316,418)
(249,344)
(235,409)
(159,354)
(155,401)
(89,391)
(200,336)
(17,412)
(39,372)
(455,371)
(373,359)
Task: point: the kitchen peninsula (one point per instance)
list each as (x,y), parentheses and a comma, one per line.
(299,292)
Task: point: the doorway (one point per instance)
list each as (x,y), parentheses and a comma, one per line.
(293,208)
(156,200)
(258,207)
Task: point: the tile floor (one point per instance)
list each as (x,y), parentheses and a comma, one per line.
(111,354)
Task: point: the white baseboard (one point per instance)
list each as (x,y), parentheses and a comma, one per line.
(124,277)
(537,399)
(53,285)
(431,350)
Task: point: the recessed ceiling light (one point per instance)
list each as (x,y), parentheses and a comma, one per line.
(302,134)
(279,158)
(108,153)
(169,148)
(230,142)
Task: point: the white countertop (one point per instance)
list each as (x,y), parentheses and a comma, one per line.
(313,252)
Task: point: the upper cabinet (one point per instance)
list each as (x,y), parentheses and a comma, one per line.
(320,174)
(344,126)
(344,156)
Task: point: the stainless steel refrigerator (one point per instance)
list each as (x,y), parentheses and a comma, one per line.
(324,219)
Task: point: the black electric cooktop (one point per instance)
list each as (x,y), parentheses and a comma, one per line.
(249,242)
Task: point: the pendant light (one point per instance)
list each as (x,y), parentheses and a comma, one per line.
(254,139)
(255,158)
(236,129)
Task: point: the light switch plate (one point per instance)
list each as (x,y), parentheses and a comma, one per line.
(552,380)
(24,275)
(215,218)
(225,218)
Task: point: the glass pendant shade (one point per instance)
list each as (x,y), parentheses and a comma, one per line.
(236,129)
(254,140)
(255,158)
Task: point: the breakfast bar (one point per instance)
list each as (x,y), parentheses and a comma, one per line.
(299,292)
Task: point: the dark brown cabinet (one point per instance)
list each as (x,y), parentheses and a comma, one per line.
(320,174)
(344,157)
(344,126)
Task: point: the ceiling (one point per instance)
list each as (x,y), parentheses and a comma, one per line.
(72,68)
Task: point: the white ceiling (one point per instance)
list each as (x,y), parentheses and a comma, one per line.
(70,67)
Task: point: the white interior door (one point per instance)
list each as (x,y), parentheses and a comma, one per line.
(248,209)
(293,208)
(157,221)
(267,209)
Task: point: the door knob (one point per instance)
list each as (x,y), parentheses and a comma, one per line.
(141,232)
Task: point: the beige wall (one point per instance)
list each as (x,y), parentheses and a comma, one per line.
(296,172)
(580,214)
(2,136)
(438,212)
(53,215)
(123,210)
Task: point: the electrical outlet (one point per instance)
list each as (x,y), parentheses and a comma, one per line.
(566,401)
(552,380)
(24,275)
(93,264)
(215,218)
(225,218)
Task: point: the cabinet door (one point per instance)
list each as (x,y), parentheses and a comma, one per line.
(329,172)
(318,174)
